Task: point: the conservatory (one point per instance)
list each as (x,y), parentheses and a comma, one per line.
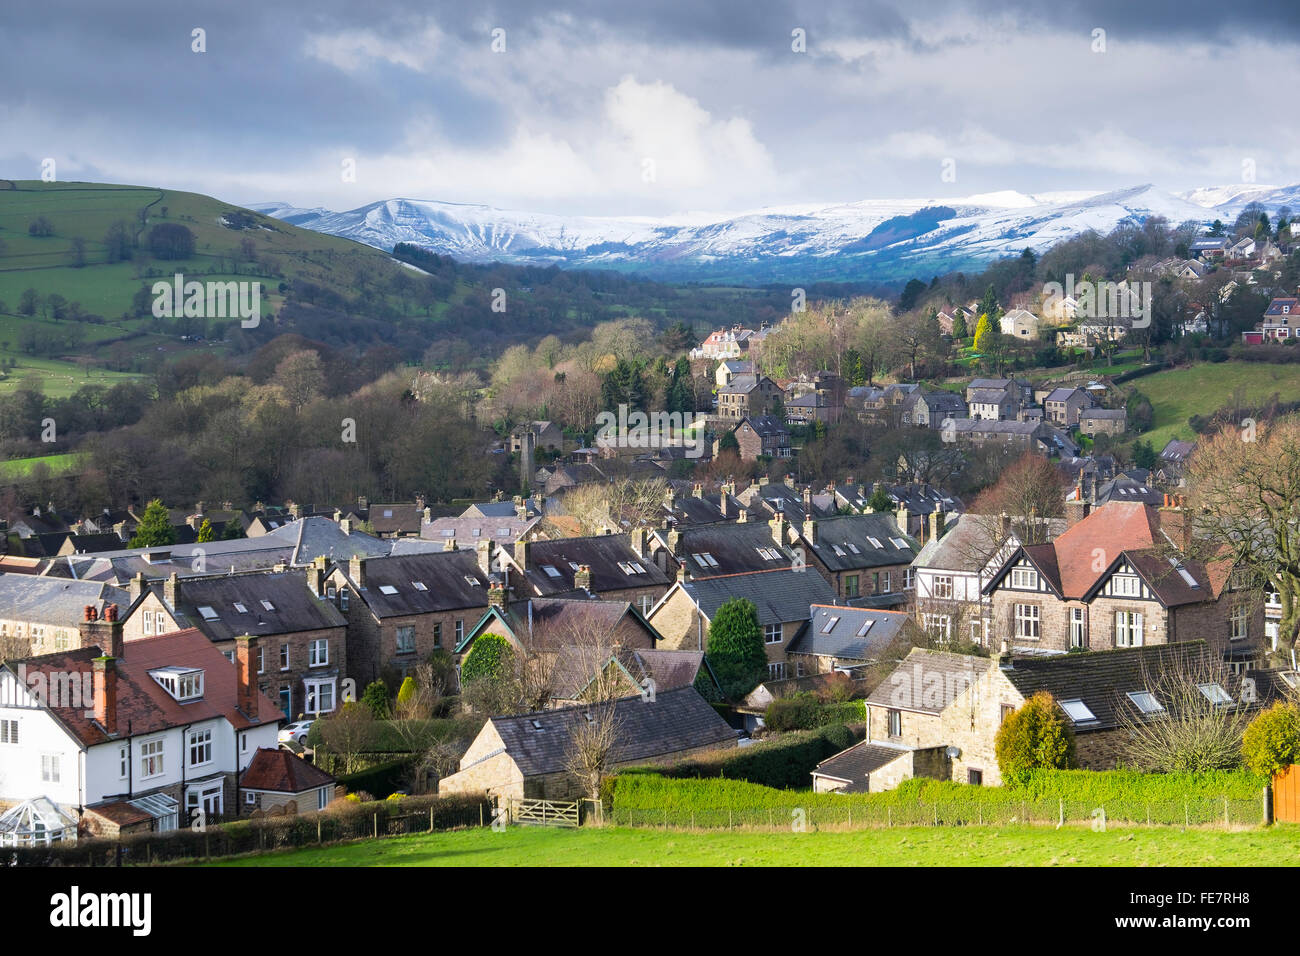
(36,822)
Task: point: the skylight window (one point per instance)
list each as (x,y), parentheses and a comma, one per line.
(240,608)
(1215,694)
(537,724)
(473,581)
(551,570)
(388,512)
(899,543)
(268,605)
(419,585)
(838,550)
(875,542)
(1145,701)
(575,565)
(866,626)
(853,547)
(387,589)
(830,624)
(1077,711)
(713,562)
(208,613)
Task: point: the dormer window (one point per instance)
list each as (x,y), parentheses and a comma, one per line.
(185,684)
(1026,578)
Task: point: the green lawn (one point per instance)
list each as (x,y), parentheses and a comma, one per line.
(17,467)
(1179,393)
(901,846)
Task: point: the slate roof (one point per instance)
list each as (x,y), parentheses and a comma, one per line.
(574,670)
(1102,679)
(1114,414)
(446,576)
(843,542)
(142,704)
(467,531)
(734,546)
(677,720)
(602,553)
(927,681)
(294,606)
(557,620)
(280,771)
(781,596)
(837,631)
(1177,451)
(55,601)
(854,765)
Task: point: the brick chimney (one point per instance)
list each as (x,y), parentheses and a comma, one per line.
(936,524)
(137,586)
(807,500)
(345,525)
(483,551)
(419,502)
(1075,511)
(449,544)
(104,684)
(669,497)
(742,516)
(697,491)
(316,576)
(638,539)
(523,554)
(169,588)
(1004,522)
(810,531)
(428,516)
(582,577)
(357,571)
(104,633)
(1177,522)
(901,516)
(497,594)
(722,501)
(246,674)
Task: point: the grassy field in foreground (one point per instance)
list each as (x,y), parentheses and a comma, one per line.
(901,846)
(1179,393)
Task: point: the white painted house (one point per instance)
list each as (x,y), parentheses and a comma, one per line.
(133,737)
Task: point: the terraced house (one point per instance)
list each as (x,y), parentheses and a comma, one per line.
(39,615)
(400,609)
(863,557)
(302,635)
(1118,578)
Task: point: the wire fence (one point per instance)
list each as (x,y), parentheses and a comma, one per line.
(388,818)
(1222,812)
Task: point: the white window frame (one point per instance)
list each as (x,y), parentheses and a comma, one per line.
(200,746)
(1126,585)
(319,652)
(943,587)
(1026,621)
(1129,626)
(313,688)
(153,755)
(284,657)
(9,731)
(50,769)
(1078,627)
(1239,623)
(772,634)
(776,670)
(407,631)
(1024,579)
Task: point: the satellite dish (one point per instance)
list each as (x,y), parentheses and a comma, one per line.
(953,753)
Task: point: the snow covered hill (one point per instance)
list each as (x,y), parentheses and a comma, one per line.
(870,239)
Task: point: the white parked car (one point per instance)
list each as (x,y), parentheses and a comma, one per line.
(295,733)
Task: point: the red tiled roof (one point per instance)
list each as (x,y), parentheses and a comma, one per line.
(1087,549)
(143,706)
(282,772)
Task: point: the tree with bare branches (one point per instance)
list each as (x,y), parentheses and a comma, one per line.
(1199,729)
(1244,498)
(621,504)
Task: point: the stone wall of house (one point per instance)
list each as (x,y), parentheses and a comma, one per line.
(970,723)
(918,729)
(681,624)
(271,679)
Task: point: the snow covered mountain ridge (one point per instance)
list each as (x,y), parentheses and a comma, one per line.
(881,240)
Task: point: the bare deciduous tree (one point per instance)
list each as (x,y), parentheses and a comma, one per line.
(1197,730)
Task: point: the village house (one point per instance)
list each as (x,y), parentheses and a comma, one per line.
(613,567)
(1020,323)
(1062,406)
(760,436)
(729,369)
(781,596)
(993,399)
(128,737)
(624,671)
(1121,576)
(546,625)
(277,782)
(932,409)
(1103,421)
(731,548)
(937,715)
(528,756)
(840,638)
(748,396)
(42,614)
(725,344)
(864,557)
(546,435)
(400,609)
(302,651)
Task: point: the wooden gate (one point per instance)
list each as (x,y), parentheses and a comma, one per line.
(549,813)
(1286,795)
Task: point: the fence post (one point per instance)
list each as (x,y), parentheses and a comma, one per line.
(376,824)
(318,839)
(889,816)
(729,823)
(1268,805)
(1060,817)
(431,817)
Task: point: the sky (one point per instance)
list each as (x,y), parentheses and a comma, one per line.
(603,107)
